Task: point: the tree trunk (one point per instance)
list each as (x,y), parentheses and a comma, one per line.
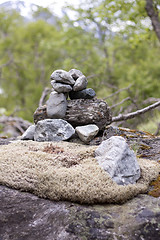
(153,14)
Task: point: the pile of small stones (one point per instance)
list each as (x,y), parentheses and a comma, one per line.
(65,84)
(72,83)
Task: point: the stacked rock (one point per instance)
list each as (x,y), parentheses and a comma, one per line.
(50,120)
(63,83)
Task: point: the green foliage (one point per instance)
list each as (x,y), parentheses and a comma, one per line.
(111,42)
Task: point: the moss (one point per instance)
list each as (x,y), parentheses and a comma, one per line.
(67,171)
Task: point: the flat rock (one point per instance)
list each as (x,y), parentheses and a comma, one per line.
(61,87)
(28,217)
(80,84)
(63,77)
(87,133)
(56,105)
(53,130)
(88,93)
(75,73)
(29,133)
(117,159)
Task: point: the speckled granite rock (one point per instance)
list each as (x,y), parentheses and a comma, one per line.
(25,216)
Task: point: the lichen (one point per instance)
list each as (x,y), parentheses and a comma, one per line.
(155,192)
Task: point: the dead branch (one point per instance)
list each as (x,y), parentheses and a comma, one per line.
(5,64)
(125,117)
(20,124)
(157,131)
(45,92)
(115,93)
(150,100)
(117,104)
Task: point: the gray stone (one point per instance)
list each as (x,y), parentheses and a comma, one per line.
(80,84)
(29,133)
(56,105)
(87,133)
(75,73)
(115,157)
(63,77)
(61,87)
(88,93)
(53,130)
(28,217)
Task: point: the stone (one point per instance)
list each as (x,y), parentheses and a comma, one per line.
(88,93)
(61,87)
(75,73)
(63,77)
(82,112)
(87,133)
(40,114)
(80,84)
(38,218)
(53,130)
(56,105)
(118,160)
(29,133)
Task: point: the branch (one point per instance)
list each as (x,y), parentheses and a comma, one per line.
(115,93)
(117,104)
(125,117)
(16,122)
(153,14)
(45,92)
(158,129)
(150,100)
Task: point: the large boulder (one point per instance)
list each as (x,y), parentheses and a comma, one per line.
(28,217)
(116,158)
(53,130)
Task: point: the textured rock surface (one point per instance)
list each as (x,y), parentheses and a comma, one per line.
(115,157)
(56,105)
(62,76)
(88,93)
(82,112)
(75,73)
(80,84)
(61,87)
(53,130)
(40,114)
(29,133)
(25,216)
(87,133)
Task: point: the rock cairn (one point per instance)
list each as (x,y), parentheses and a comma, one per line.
(63,83)
(71,107)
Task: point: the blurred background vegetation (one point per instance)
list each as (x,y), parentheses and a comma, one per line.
(111,42)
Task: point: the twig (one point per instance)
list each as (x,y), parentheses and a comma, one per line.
(158,129)
(117,104)
(124,117)
(115,93)
(150,100)
(45,92)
